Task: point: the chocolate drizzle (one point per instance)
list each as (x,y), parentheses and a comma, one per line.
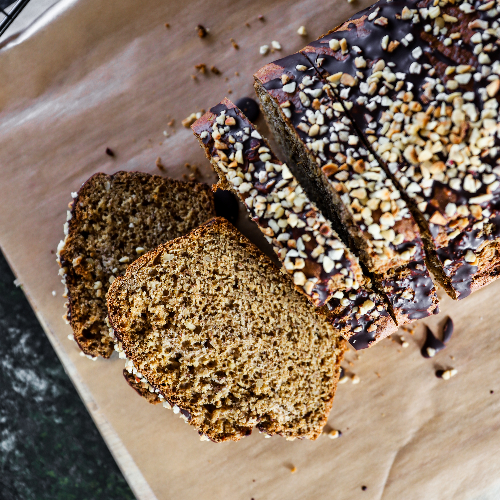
(422,301)
(437,56)
(431,342)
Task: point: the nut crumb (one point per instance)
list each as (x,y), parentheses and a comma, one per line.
(264,49)
(302,31)
(159,164)
(202,31)
(334,434)
(446,374)
(202,68)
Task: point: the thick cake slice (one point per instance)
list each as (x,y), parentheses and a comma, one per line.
(421,83)
(349,184)
(225,339)
(113,219)
(309,249)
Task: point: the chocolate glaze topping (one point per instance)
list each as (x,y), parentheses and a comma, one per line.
(428,74)
(347,164)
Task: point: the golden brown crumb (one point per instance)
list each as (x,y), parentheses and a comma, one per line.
(202,31)
(159,164)
(234,44)
(215,70)
(293,470)
(171,123)
(167,25)
(202,68)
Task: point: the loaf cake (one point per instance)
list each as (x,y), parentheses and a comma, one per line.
(112,221)
(224,338)
(310,251)
(420,81)
(326,152)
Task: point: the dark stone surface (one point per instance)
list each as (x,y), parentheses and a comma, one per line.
(49,445)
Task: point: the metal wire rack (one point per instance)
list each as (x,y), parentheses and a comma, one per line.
(9,11)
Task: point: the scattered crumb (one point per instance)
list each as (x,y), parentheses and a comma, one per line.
(343,379)
(446,374)
(234,44)
(202,68)
(171,123)
(236,73)
(110,152)
(261,18)
(334,434)
(194,77)
(276,45)
(362,487)
(215,70)
(159,164)
(302,31)
(355,379)
(229,91)
(165,133)
(431,352)
(167,25)
(247,25)
(202,31)
(378,374)
(264,49)
(293,470)
(491,392)
(17,282)
(53,293)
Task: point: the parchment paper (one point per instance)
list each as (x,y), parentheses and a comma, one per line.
(90,75)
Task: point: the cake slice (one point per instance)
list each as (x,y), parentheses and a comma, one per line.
(352,189)
(309,249)
(420,81)
(225,339)
(112,220)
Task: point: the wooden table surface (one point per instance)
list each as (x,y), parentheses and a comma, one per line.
(90,75)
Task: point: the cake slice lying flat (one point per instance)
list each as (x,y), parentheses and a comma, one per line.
(225,339)
(321,265)
(111,222)
(324,149)
(420,81)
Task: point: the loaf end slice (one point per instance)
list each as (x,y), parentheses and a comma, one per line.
(225,339)
(112,220)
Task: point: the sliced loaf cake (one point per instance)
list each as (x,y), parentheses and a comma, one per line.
(420,80)
(326,152)
(112,220)
(321,265)
(224,338)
